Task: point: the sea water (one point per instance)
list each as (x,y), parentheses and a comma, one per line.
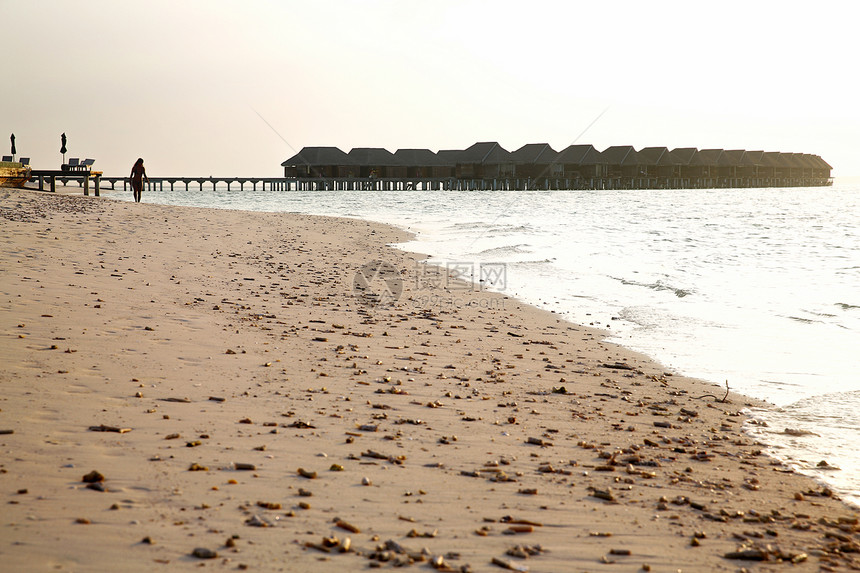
(757,288)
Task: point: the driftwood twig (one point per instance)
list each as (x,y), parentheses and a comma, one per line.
(724,398)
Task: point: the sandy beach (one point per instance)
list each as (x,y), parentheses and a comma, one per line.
(191,387)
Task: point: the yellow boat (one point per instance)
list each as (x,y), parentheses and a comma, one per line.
(13,174)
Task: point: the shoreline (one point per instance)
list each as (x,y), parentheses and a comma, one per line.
(453,416)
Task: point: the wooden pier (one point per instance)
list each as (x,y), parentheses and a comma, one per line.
(265,183)
(473,184)
(422,183)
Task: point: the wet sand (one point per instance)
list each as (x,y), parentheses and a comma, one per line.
(239,397)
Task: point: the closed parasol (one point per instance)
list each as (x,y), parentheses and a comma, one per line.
(14,151)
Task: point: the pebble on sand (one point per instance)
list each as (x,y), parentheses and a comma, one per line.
(204,553)
(93,477)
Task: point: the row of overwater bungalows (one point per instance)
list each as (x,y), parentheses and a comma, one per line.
(539,166)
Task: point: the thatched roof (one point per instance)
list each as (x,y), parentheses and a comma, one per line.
(796,160)
(620,155)
(376,156)
(820,163)
(658,156)
(418,157)
(732,157)
(449,157)
(486,153)
(753,158)
(314,156)
(580,155)
(534,153)
(775,159)
(808,161)
(685,154)
(707,157)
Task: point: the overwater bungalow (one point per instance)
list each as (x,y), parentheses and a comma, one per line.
(487,160)
(536,160)
(804,168)
(319,162)
(421,163)
(660,163)
(690,169)
(821,170)
(778,165)
(750,167)
(377,162)
(583,163)
(623,165)
(727,167)
(708,161)
(450,157)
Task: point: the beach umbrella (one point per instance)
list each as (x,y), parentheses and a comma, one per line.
(14,151)
(63,146)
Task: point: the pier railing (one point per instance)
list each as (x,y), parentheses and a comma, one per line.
(425,183)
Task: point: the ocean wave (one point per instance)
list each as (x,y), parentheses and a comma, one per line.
(821,314)
(658,286)
(804,320)
(536,262)
(488,228)
(507,250)
(638,316)
(813,317)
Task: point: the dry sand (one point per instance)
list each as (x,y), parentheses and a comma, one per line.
(445,430)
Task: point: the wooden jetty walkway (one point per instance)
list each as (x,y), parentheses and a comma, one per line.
(85,179)
(98,181)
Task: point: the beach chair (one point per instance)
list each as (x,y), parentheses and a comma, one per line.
(86,164)
(7,158)
(25,161)
(73,163)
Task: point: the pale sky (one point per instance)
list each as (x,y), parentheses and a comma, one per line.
(184,83)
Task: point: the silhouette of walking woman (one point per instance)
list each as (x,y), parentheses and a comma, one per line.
(138,174)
